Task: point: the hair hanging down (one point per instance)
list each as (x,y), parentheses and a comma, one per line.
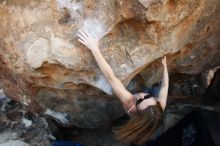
(141,125)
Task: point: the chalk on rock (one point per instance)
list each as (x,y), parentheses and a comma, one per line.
(95,27)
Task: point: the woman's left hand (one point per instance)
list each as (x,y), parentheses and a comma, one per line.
(89,41)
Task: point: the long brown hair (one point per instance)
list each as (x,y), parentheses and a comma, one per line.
(141,125)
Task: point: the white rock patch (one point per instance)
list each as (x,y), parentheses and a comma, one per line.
(26,122)
(103,84)
(57,115)
(37,53)
(2,95)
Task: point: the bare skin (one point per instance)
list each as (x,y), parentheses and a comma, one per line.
(124,95)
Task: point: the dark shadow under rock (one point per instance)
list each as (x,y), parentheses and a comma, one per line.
(212,96)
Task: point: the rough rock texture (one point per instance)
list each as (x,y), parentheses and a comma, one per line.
(44,66)
(19,127)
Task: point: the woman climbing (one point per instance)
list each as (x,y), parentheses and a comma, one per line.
(145,111)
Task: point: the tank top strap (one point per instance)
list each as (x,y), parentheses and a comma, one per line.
(135,100)
(156,99)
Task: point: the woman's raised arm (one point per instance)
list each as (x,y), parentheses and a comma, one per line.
(165,85)
(93,44)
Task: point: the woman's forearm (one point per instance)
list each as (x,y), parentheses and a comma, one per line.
(165,85)
(103,65)
(165,80)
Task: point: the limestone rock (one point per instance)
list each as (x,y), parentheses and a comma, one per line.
(40,52)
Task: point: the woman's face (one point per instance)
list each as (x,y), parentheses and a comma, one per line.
(145,102)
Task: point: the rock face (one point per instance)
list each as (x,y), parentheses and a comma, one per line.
(45,67)
(19,127)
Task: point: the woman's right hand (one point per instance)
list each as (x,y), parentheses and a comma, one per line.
(89,41)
